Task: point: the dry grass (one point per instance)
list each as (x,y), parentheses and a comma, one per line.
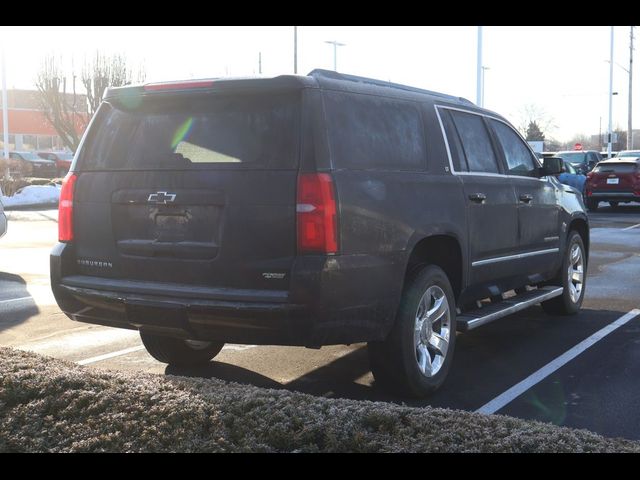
(49,405)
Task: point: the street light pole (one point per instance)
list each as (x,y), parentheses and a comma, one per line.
(295,50)
(335,52)
(610,98)
(484,69)
(630,123)
(5,106)
(479,82)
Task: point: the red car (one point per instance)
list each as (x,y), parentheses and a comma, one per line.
(615,181)
(63,161)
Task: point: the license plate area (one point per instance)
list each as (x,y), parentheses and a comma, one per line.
(613,181)
(165,317)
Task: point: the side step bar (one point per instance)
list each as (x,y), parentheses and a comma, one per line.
(487,314)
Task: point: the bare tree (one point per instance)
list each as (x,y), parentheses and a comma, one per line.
(107,71)
(534,114)
(54,102)
(68,112)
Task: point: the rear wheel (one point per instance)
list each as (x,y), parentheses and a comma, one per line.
(592,205)
(178,351)
(572,277)
(416,356)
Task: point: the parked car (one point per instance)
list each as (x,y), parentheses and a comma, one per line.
(3,220)
(628,153)
(62,160)
(582,160)
(312,210)
(570,176)
(31,165)
(615,181)
(605,155)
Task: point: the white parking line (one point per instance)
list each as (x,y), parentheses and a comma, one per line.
(107,356)
(125,351)
(518,389)
(15,300)
(632,226)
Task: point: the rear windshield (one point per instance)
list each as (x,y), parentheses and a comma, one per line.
(616,168)
(573,157)
(195,132)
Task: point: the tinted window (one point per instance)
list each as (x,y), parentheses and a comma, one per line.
(453,140)
(573,157)
(616,168)
(366,131)
(179,133)
(517,155)
(475,142)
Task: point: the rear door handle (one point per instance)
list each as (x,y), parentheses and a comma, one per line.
(477,197)
(526,198)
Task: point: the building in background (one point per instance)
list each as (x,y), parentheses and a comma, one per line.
(29,129)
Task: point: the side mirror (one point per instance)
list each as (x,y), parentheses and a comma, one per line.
(552,166)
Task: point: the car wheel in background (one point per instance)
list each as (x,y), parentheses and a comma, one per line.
(592,205)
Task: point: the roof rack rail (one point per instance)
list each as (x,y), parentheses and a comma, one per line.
(319,72)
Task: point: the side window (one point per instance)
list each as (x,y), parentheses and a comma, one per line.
(370,132)
(453,140)
(518,157)
(475,142)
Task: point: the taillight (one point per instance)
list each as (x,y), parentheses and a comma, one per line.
(317,214)
(65,208)
(186,85)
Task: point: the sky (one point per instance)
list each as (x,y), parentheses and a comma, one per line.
(560,72)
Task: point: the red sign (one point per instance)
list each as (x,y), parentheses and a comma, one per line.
(577,146)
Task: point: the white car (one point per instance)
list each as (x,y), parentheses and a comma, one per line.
(3,221)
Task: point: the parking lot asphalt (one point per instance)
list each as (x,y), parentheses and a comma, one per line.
(596,389)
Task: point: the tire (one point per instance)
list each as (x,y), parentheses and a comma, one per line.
(414,361)
(572,277)
(178,351)
(613,204)
(592,205)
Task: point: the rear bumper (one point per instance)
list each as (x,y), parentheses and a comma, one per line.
(615,196)
(327,303)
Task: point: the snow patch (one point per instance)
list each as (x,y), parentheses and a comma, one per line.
(33,195)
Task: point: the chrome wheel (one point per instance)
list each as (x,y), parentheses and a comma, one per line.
(432,331)
(575,273)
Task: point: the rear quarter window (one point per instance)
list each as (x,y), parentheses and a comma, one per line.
(371,132)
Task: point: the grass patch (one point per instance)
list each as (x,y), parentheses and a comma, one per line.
(49,405)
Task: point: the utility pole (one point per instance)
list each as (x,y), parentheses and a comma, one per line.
(5,107)
(295,50)
(335,52)
(260,63)
(609,136)
(479,70)
(630,123)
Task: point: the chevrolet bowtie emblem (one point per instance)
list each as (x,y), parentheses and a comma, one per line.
(161,197)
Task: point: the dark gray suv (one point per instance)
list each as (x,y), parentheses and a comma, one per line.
(312,210)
